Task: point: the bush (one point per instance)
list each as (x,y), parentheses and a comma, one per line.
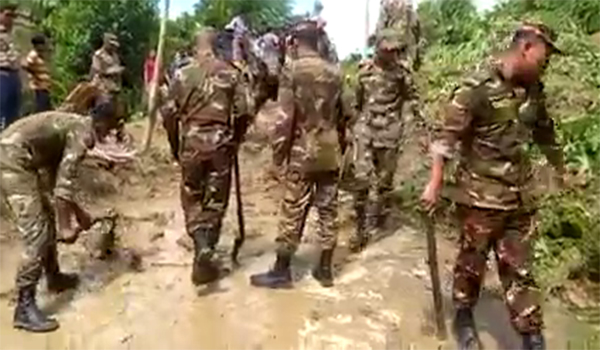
(77,28)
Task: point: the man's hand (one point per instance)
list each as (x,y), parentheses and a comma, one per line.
(115,70)
(431,195)
(66,210)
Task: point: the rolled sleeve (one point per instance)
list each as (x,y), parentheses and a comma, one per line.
(458,118)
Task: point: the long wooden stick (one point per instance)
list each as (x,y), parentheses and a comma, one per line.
(435,275)
(241,237)
(152,101)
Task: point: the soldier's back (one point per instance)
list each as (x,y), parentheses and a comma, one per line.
(207,91)
(43,135)
(318,87)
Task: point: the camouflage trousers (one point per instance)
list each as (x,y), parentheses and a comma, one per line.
(508,233)
(34,217)
(301,192)
(205,187)
(374,176)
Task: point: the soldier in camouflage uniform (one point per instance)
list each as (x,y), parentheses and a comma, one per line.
(106,73)
(48,144)
(211,101)
(384,86)
(307,139)
(399,18)
(492,115)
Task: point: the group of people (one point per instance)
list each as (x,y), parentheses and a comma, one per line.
(34,64)
(212,101)
(105,72)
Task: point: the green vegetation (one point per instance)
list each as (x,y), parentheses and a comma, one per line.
(76,28)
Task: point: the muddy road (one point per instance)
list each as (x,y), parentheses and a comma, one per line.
(381,300)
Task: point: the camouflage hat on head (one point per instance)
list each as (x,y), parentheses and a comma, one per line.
(306,26)
(388,39)
(543,31)
(111,38)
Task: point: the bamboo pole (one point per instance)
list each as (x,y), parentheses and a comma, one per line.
(152,100)
(367,15)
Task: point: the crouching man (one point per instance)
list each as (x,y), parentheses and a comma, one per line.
(52,143)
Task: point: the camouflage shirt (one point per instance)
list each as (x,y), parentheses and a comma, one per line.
(207,96)
(488,122)
(307,133)
(48,141)
(106,70)
(380,95)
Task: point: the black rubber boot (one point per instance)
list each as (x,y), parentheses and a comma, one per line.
(464,327)
(28,316)
(204,270)
(534,341)
(360,239)
(279,276)
(323,272)
(60,282)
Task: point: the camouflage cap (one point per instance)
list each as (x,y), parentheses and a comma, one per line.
(388,39)
(111,39)
(306,26)
(543,31)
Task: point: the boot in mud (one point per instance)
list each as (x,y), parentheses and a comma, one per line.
(360,239)
(323,272)
(60,282)
(204,271)
(28,316)
(534,341)
(279,276)
(464,327)
(381,212)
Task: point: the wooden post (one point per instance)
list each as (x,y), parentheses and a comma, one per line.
(152,100)
(367,21)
